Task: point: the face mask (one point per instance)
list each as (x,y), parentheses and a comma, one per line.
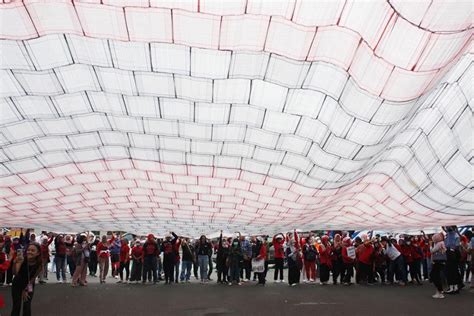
(408,242)
(235,243)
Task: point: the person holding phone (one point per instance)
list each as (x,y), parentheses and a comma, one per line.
(25,271)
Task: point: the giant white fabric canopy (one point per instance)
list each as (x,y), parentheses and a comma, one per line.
(255,115)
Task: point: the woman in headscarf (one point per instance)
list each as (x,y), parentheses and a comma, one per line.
(438,255)
(348,259)
(294,259)
(336,259)
(325,259)
(81,260)
(25,271)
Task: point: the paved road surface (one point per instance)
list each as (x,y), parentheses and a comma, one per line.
(212,299)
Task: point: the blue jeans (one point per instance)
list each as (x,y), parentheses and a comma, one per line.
(186,267)
(397,266)
(60,268)
(203,261)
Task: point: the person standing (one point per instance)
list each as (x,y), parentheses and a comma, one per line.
(93,260)
(187,262)
(81,259)
(45,242)
(137,262)
(103,252)
(278,243)
(60,258)
(261,255)
(438,255)
(246,267)
(115,247)
(348,259)
(124,261)
(177,259)
(452,244)
(397,264)
(69,243)
(169,256)
(150,253)
(309,255)
(221,260)
(234,258)
(294,258)
(325,259)
(203,248)
(25,271)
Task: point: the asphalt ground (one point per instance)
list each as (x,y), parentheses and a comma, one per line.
(211,299)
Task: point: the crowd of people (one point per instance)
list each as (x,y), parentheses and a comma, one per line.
(446,259)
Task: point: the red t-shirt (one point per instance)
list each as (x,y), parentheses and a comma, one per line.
(365,253)
(124,253)
(103,250)
(137,251)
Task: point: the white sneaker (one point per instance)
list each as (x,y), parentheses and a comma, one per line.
(311,280)
(294,284)
(60,281)
(438,295)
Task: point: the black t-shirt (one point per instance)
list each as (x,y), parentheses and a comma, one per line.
(204,249)
(187,252)
(21,279)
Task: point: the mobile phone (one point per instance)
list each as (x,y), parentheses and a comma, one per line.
(19,252)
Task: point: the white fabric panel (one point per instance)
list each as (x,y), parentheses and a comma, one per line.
(289,39)
(248,33)
(130,55)
(248,65)
(268,95)
(197,30)
(326,115)
(330,39)
(87,50)
(141,20)
(38,82)
(171,58)
(14,56)
(155,84)
(210,63)
(48,52)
